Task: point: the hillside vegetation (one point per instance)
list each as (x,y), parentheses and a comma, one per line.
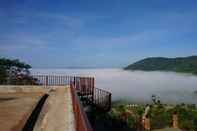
(179,64)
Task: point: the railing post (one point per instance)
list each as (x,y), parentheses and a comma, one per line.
(92,88)
(109,102)
(46,82)
(74,82)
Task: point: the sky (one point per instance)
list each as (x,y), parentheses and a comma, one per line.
(96,33)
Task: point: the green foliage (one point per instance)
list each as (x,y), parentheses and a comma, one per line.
(139,111)
(14,72)
(185,64)
(121,108)
(187,116)
(131,122)
(109,121)
(160,117)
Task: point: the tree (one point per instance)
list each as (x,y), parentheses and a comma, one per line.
(15,72)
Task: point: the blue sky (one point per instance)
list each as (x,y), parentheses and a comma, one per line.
(96,33)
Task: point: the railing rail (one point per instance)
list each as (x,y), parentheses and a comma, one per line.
(102,99)
(99,97)
(84,85)
(81,120)
(53,80)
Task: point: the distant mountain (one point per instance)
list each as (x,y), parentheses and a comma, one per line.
(179,64)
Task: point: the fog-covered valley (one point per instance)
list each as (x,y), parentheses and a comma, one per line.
(138,86)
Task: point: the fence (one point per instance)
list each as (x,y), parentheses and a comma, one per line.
(81,120)
(102,99)
(52,80)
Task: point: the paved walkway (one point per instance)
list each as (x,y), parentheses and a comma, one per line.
(57,113)
(17,103)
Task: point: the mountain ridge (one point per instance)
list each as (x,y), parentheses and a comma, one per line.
(178,64)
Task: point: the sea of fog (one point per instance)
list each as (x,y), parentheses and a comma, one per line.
(138,86)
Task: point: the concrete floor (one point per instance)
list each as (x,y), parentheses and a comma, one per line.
(17,103)
(15,108)
(57,113)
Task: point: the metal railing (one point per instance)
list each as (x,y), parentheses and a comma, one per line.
(84,85)
(102,99)
(86,88)
(53,80)
(81,120)
(81,87)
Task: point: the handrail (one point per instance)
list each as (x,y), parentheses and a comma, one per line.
(53,80)
(81,120)
(102,99)
(85,86)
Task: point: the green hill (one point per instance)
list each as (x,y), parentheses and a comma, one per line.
(179,64)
